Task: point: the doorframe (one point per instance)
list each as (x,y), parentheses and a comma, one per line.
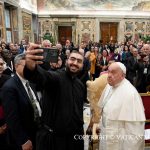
(109,25)
(65,28)
(72,24)
(111,20)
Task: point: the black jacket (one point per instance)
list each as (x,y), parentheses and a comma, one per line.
(18,112)
(62,108)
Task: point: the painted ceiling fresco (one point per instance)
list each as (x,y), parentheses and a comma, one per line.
(30,5)
(135,5)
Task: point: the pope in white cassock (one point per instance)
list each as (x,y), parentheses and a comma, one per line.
(123,118)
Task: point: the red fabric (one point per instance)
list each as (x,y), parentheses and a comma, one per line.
(1,113)
(146,103)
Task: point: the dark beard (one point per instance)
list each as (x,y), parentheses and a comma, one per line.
(73,74)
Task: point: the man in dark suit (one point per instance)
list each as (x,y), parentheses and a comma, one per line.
(18,109)
(132,66)
(67,46)
(3,126)
(143,74)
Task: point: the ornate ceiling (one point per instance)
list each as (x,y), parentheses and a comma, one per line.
(65,5)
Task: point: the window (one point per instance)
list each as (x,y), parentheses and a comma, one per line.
(8,25)
(8,35)
(7,18)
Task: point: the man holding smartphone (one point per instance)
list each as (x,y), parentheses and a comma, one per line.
(63,97)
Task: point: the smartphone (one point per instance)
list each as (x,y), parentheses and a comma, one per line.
(50,54)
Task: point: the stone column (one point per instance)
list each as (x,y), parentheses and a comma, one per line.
(97,30)
(20,24)
(121,31)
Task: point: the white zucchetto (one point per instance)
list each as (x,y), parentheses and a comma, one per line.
(122,67)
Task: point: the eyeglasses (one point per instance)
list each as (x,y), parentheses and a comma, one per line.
(73,59)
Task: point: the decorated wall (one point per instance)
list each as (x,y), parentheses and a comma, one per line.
(82,29)
(27,26)
(23,15)
(85,17)
(135,29)
(86,29)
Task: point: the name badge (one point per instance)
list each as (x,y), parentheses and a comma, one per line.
(145,70)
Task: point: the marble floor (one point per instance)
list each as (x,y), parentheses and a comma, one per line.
(86,114)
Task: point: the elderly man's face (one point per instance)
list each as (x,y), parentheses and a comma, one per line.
(135,52)
(146,49)
(115,75)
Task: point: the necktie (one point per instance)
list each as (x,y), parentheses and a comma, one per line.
(34,102)
(135,60)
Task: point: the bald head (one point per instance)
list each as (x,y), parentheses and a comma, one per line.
(146,49)
(81,51)
(46,43)
(59,46)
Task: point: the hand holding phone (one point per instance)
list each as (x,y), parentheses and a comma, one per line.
(50,54)
(33,56)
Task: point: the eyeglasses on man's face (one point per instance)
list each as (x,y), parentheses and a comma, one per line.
(73,59)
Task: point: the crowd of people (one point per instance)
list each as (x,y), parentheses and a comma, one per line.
(135,56)
(41,102)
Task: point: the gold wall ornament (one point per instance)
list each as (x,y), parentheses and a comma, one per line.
(128,26)
(46,25)
(148,27)
(27,22)
(86,25)
(140,26)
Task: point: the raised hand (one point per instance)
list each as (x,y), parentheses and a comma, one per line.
(33,56)
(27,145)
